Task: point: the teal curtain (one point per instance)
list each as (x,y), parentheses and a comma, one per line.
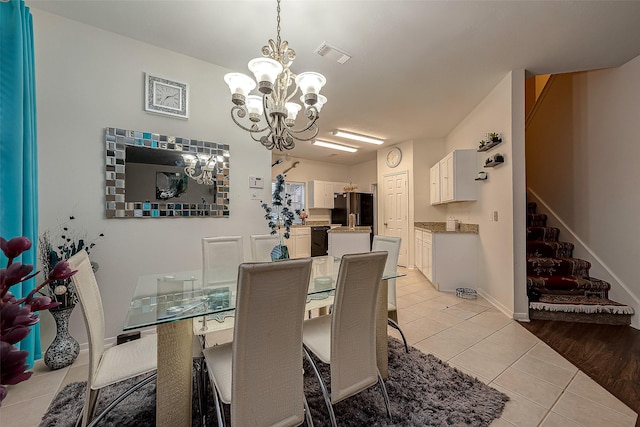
(18,144)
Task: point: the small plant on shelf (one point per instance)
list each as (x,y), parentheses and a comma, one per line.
(494,137)
(482,143)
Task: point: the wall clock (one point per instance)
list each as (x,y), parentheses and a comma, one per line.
(393,157)
(164,96)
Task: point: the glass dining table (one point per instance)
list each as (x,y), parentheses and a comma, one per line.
(179,304)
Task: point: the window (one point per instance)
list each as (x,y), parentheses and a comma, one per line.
(296,190)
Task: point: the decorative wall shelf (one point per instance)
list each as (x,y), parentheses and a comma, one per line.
(493,164)
(481,179)
(489,146)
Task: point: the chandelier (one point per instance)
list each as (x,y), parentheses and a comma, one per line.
(200,168)
(274,102)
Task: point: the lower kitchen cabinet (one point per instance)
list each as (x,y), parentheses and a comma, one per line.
(299,242)
(447,260)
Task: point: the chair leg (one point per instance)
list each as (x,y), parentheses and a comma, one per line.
(385,396)
(200,369)
(307,413)
(327,401)
(120,398)
(394,325)
(219,414)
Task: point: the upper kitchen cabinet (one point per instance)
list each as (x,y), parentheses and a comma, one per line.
(321,194)
(452,178)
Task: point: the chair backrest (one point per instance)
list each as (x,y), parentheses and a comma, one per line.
(353,324)
(267,385)
(89,295)
(262,245)
(391,245)
(221,257)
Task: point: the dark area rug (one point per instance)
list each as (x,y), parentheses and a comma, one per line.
(424,391)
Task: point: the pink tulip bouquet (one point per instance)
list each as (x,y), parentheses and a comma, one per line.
(17,315)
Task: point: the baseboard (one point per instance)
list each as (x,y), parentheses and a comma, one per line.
(521,317)
(497,304)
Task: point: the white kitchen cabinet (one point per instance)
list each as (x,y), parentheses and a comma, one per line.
(453,179)
(434,181)
(320,194)
(451,260)
(299,242)
(427,255)
(418,249)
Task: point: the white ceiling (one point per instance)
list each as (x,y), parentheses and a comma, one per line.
(417,68)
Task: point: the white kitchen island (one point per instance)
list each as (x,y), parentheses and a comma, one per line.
(345,240)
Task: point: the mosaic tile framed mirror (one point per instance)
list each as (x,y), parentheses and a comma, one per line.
(149,175)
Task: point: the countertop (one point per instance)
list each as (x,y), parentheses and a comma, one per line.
(358,229)
(441,227)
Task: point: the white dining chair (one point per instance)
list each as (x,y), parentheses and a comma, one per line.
(262,245)
(111,365)
(346,338)
(391,245)
(260,373)
(221,257)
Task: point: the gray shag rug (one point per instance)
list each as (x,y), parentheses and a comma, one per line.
(424,391)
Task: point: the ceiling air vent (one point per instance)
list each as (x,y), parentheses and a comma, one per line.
(332,52)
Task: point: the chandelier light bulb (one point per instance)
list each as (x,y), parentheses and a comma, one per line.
(254,107)
(240,85)
(266,71)
(310,84)
(292,112)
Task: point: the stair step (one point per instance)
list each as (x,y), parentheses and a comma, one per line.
(558,267)
(546,234)
(573,308)
(540,249)
(536,220)
(568,285)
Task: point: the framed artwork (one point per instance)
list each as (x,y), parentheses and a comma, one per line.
(167,97)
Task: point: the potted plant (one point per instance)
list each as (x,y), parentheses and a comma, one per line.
(19,314)
(498,158)
(494,137)
(279,215)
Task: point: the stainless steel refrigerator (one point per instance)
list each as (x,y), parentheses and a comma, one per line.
(360,204)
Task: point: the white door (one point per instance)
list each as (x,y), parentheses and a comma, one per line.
(396,212)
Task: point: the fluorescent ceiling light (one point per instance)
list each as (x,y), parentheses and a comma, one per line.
(357,137)
(334,146)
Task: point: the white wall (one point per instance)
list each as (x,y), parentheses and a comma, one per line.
(582,160)
(426,154)
(501,278)
(88,79)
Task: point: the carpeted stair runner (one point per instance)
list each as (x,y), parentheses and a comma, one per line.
(559,286)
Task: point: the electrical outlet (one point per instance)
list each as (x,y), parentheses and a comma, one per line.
(495,216)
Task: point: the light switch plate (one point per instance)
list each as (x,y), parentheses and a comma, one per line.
(256,182)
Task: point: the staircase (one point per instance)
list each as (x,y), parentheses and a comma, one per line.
(559,286)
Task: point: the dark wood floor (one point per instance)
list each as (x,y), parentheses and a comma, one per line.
(610,355)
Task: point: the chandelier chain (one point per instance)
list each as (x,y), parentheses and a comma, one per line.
(278,26)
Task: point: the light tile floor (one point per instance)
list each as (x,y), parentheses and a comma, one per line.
(471,335)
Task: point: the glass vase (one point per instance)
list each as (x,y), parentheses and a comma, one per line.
(279,252)
(64,348)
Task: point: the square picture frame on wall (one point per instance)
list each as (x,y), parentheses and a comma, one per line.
(166,97)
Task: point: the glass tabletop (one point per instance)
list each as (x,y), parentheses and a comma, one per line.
(161,298)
